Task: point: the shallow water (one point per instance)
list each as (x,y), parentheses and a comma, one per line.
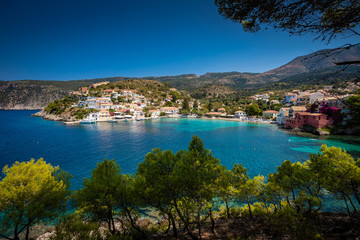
(77,148)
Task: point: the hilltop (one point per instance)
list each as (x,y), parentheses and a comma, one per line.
(303,71)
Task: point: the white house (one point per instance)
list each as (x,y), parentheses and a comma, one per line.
(270,114)
(289,96)
(106,105)
(283,115)
(138,113)
(313,97)
(169,111)
(241,115)
(89,103)
(154,113)
(94,116)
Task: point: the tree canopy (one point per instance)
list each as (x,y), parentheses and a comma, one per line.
(324,18)
(31,192)
(187,192)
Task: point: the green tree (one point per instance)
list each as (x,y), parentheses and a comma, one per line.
(196,105)
(31,192)
(250,191)
(354,104)
(229,182)
(195,173)
(339,173)
(175,95)
(303,191)
(99,195)
(253,110)
(168,104)
(210,106)
(154,181)
(185,105)
(72,226)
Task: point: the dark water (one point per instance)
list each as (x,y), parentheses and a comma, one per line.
(77,148)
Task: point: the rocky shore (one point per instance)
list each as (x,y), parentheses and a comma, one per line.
(349,131)
(53,117)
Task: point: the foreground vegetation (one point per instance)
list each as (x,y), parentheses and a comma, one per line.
(188,193)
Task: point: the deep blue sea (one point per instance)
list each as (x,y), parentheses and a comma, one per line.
(77,148)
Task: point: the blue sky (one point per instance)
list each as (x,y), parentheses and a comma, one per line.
(82,39)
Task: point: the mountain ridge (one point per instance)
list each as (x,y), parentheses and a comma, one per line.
(314,68)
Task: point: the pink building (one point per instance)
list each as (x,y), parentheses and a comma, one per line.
(317,120)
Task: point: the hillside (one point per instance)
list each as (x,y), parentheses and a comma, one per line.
(308,70)
(314,62)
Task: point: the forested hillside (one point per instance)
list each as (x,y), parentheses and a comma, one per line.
(304,71)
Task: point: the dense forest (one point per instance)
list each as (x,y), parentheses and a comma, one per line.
(187,194)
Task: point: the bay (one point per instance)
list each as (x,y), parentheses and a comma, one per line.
(78,148)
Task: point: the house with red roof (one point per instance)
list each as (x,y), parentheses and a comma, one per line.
(270,114)
(317,120)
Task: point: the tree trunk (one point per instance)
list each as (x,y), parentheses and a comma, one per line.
(169,225)
(212,221)
(133,225)
(251,216)
(109,224)
(186,224)
(227,209)
(113,224)
(172,219)
(347,206)
(199,221)
(27,232)
(355,192)
(16,234)
(3,236)
(352,204)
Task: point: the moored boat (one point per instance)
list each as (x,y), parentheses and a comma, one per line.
(87,121)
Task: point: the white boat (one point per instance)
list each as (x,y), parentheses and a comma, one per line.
(87,121)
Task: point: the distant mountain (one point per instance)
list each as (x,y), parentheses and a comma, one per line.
(313,69)
(314,62)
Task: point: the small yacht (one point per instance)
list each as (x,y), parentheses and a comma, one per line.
(87,121)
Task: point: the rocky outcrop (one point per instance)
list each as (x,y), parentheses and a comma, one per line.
(321,132)
(53,117)
(28,95)
(353,130)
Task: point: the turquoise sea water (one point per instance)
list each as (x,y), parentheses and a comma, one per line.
(77,148)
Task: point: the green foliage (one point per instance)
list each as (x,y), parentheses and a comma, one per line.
(253,110)
(354,104)
(175,95)
(196,105)
(81,113)
(168,104)
(299,183)
(327,19)
(288,222)
(185,105)
(339,173)
(31,192)
(59,106)
(187,189)
(109,194)
(72,226)
(99,195)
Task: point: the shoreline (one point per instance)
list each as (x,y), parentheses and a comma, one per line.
(298,132)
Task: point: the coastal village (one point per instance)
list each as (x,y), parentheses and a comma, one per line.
(313,110)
